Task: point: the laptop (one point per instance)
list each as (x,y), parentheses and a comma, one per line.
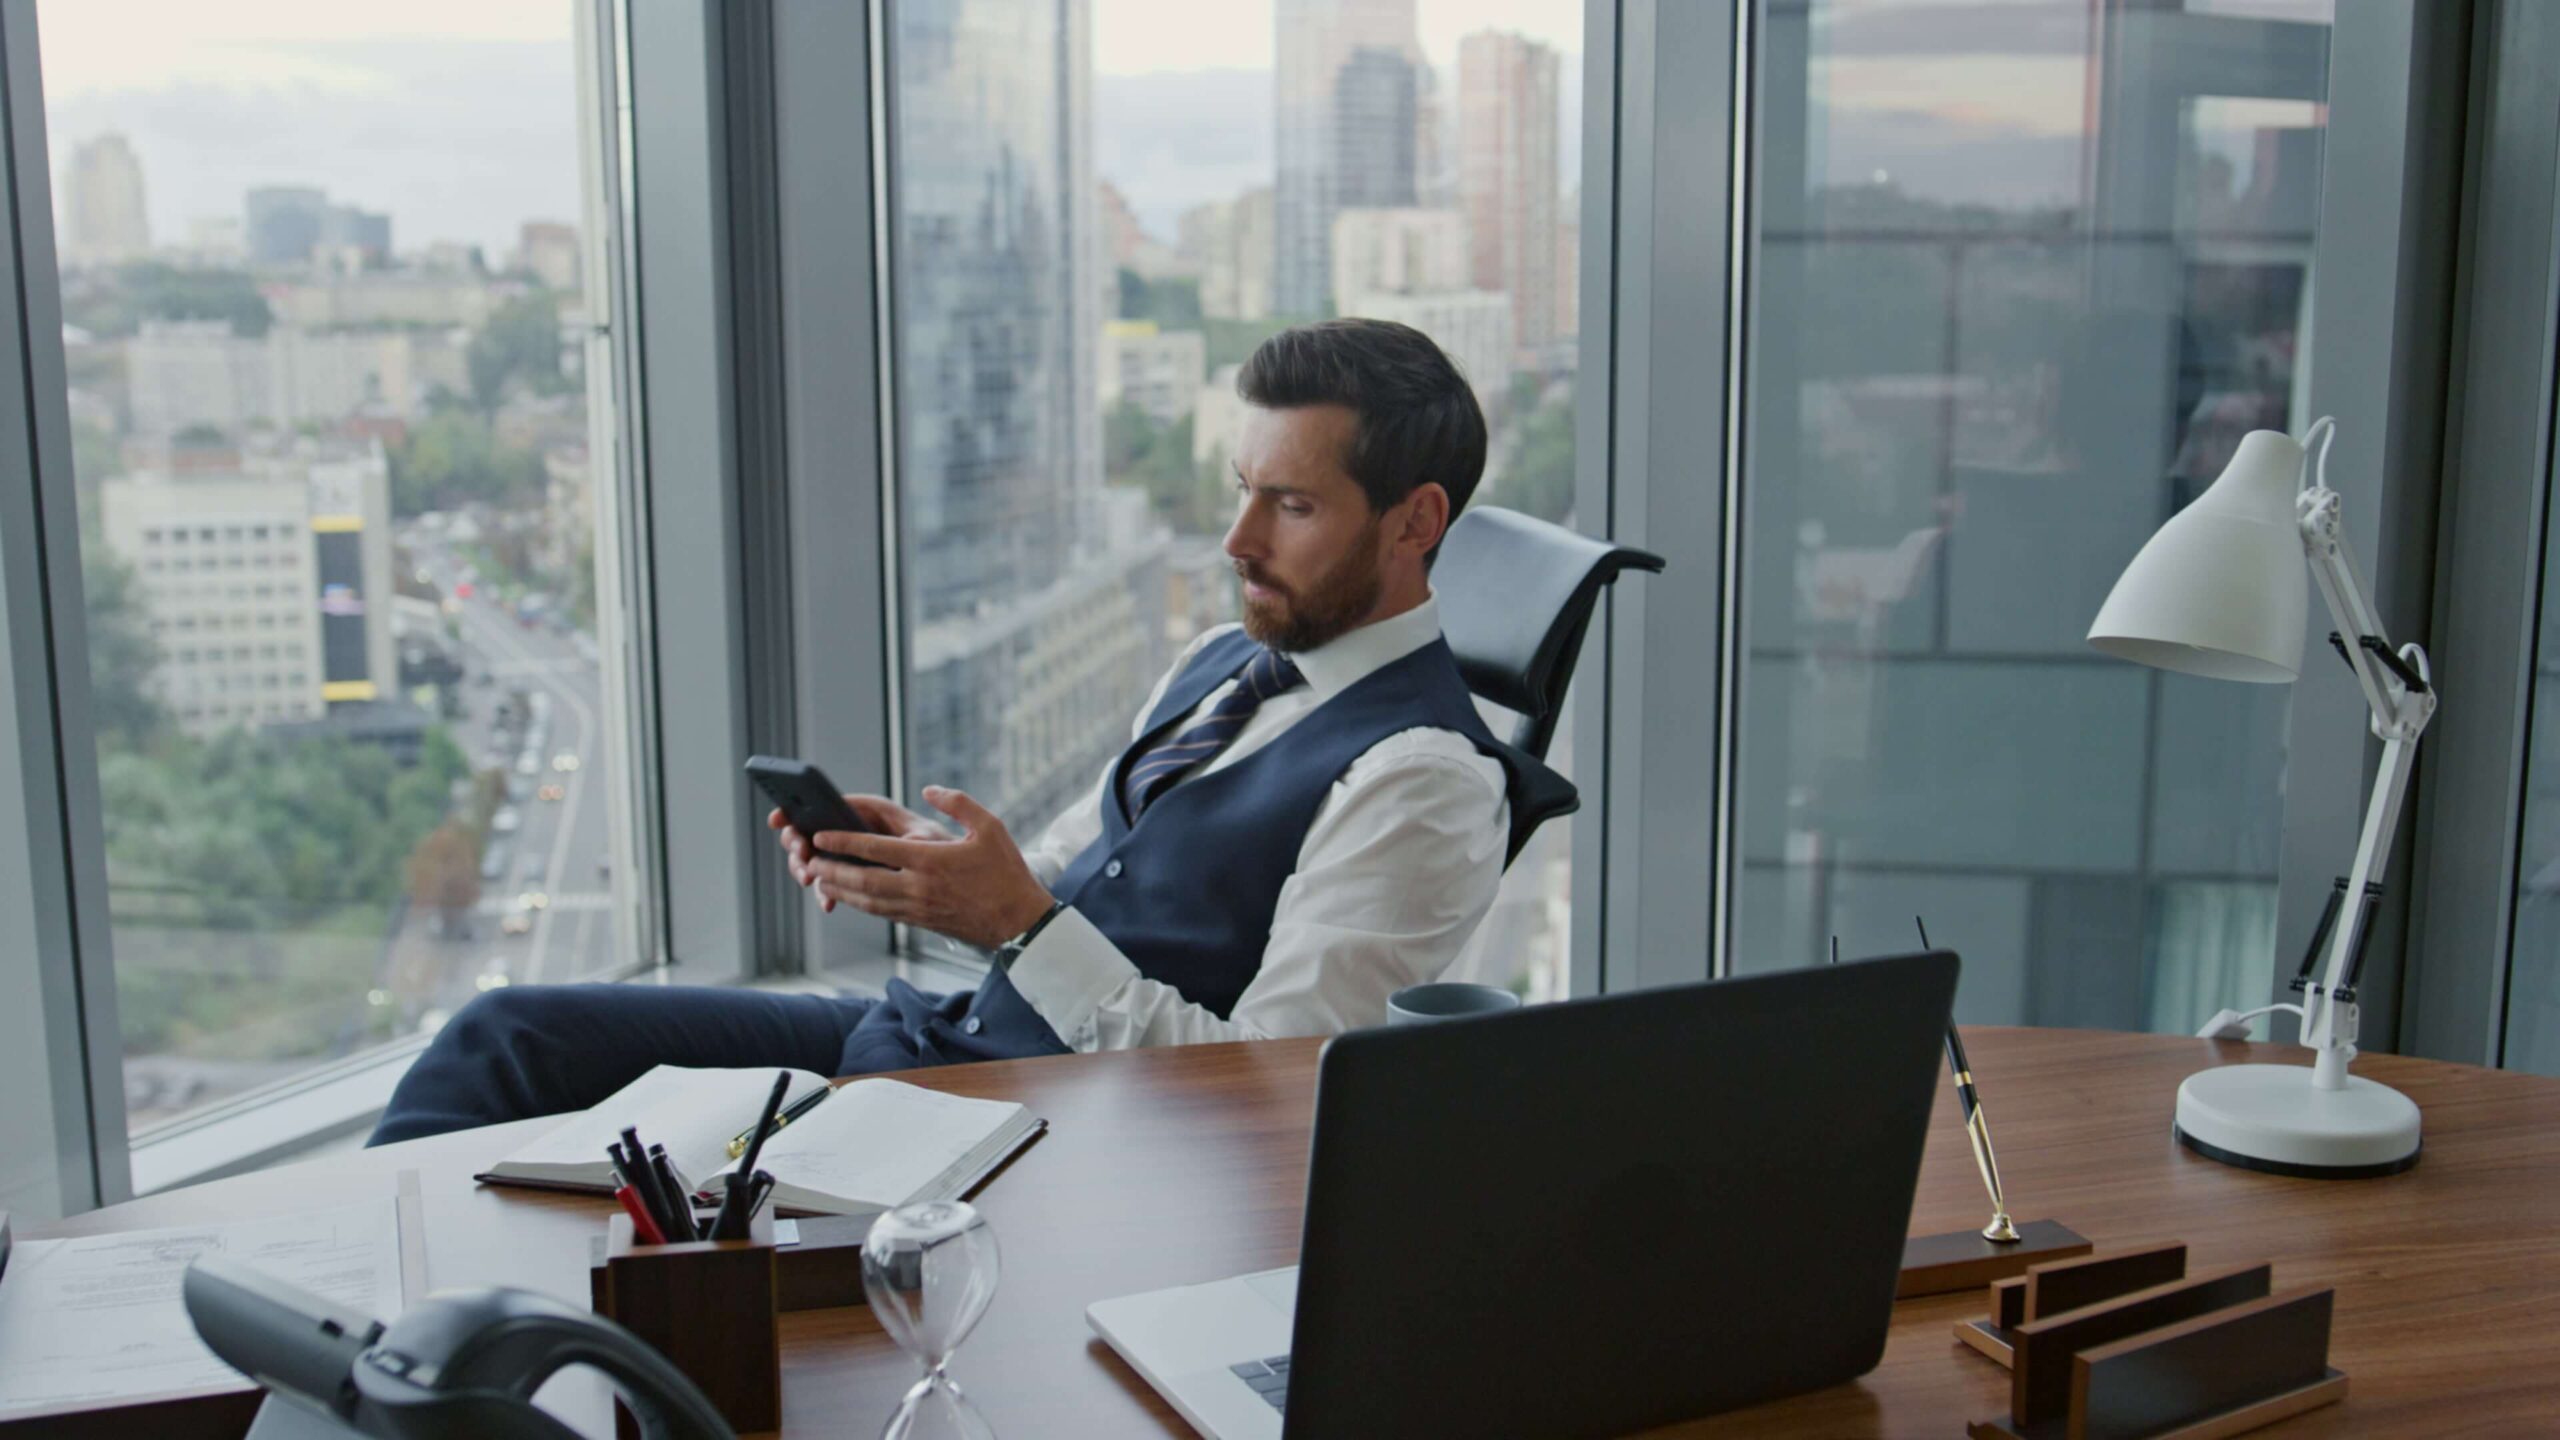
(1579,1219)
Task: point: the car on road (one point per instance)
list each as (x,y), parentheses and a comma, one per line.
(564,762)
(534,900)
(505,821)
(528,763)
(515,922)
(493,976)
(497,859)
(551,792)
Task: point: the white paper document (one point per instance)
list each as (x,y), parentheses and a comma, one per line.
(100,1319)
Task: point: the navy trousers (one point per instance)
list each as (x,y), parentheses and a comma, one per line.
(518,1052)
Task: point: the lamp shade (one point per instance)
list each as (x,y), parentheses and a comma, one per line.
(2219,591)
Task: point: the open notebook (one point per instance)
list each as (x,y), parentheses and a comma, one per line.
(872,1145)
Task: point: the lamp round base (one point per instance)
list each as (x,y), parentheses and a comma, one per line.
(2271,1118)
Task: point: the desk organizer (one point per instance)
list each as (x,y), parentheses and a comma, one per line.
(2130,1346)
(708,1306)
(818,1270)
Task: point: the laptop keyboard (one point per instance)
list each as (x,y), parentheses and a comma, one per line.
(1269,1379)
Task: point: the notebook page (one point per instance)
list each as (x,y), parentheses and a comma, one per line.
(691,1112)
(878,1142)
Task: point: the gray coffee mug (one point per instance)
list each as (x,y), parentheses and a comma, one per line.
(1447,1000)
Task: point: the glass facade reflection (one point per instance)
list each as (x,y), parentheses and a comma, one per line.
(2023,274)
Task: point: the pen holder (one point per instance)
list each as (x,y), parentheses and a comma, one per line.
(708,1306)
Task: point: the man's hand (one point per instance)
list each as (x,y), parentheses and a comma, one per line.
(975,887)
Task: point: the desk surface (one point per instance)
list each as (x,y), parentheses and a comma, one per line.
(1170,1167)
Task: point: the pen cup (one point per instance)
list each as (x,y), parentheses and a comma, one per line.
(708,1306)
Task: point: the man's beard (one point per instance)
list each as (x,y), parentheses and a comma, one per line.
(1336,603)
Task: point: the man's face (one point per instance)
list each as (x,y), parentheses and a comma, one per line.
(1305,543)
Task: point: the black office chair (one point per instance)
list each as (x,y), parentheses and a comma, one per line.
(1516,595)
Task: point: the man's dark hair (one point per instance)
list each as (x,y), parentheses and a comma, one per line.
(1419,422)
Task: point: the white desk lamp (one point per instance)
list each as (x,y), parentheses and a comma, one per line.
(2218,592)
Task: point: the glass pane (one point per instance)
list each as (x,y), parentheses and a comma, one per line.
(2533,985)
(2023,273)
(340,411)
(1098,212)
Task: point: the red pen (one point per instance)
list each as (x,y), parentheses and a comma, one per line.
(642,1227)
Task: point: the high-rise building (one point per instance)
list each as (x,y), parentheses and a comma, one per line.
(181,374)
(283,223)
(1230,242)
(1158,371)
(1126,245)
(996,298)
(1471,327)
(1398,252)
(1507,178)
(108,223)
(364,234)
(1034,604)
(551,251)
(267,583)
(1346,108)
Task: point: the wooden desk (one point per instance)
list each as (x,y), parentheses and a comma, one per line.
(1175,1166)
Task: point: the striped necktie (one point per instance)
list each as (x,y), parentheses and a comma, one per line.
(1265,675)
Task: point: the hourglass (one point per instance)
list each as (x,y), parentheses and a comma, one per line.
(930,1270)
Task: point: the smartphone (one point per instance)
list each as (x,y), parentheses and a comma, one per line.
(809,800)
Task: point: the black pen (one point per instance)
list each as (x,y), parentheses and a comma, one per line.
(738,1143)
(765,1123)
(642,1179)
(679,1204)
(1977,1128)
(731,1222)
(1956,1064)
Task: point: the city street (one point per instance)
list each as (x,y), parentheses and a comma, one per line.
(556,857)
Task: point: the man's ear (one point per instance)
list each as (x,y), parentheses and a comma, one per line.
(1426,519)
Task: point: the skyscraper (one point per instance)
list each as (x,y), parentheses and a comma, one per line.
(1346,103)
(996,296)
(284,222)
(1507,120)
(1397,252)
(108,223)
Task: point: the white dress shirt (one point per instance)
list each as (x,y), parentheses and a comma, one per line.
(1398,867)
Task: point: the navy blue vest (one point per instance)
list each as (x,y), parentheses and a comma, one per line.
(1187,892)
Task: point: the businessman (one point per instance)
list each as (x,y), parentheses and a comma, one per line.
(1308,817)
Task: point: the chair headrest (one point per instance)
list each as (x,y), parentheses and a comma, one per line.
(1514,592)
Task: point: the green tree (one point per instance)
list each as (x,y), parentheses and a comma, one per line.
(1138,450)
(122,653)
(520,342)
(1539,478)
(1173,303)
(150,290)
(455,458)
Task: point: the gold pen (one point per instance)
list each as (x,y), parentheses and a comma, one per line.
(800,1107)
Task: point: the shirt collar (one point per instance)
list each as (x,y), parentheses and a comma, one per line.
(1347,659)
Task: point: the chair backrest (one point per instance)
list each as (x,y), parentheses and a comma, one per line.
(1516,595)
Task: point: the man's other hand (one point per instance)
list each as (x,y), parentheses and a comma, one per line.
(974,887)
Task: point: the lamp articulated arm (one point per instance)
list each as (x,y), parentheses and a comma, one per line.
(2399,688)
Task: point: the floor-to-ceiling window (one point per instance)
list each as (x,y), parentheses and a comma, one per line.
(1097,210)
(2020,275)
(334,319)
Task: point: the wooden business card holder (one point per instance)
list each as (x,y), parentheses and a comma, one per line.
(2059,1285)
(709,1307)
(1962,1259)
(2187,1357)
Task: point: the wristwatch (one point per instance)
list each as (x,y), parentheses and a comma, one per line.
(1012,949)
